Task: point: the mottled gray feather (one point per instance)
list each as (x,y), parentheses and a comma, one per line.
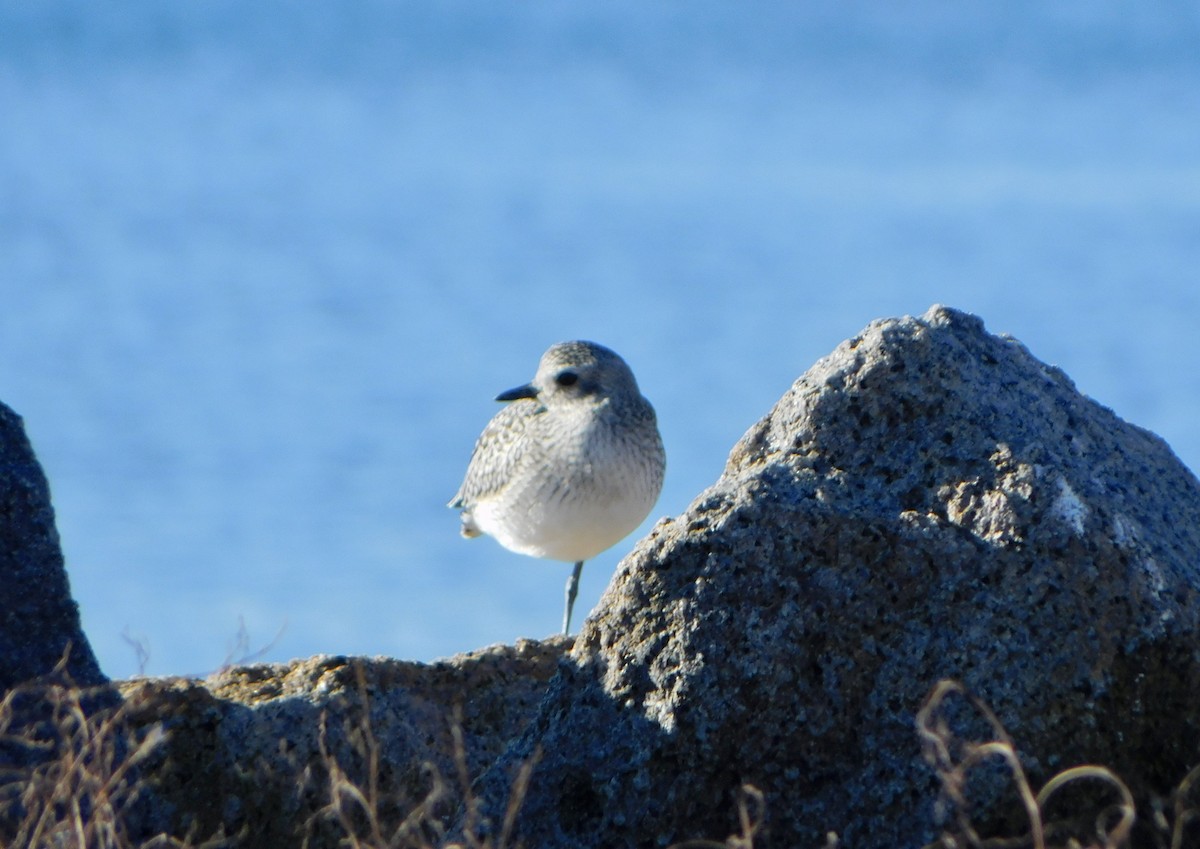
(497,453)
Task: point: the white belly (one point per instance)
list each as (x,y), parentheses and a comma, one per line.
(563,526)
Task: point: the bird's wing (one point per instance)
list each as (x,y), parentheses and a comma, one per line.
(500,449)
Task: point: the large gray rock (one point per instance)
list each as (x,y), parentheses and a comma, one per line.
(39,621)
(928,501)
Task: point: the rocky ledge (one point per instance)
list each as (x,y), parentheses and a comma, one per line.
(927,502)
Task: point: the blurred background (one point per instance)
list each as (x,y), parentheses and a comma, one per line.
(265,265)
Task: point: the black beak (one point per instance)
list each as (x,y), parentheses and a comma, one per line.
(526,391)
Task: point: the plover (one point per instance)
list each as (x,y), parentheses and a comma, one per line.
(570,466)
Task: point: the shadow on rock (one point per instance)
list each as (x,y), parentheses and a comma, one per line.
(315,752)
(927,502)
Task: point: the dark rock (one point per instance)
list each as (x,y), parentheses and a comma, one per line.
(929,501)
(250,751)
(39,621)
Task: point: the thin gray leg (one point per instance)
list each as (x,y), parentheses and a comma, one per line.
(572,591)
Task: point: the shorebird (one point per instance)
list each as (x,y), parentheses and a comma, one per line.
(570,466)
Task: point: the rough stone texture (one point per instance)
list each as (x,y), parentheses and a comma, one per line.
(928,501)
(39,620)
(242,749)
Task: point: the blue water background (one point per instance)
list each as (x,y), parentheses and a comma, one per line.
(264,265)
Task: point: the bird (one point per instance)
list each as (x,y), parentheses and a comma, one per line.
(570,466)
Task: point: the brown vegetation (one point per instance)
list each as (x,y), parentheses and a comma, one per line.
(76,776)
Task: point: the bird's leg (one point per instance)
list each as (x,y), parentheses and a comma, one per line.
(572,591)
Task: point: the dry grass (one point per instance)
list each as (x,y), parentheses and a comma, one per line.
(77,779)
(1109,827)
(361,809)
(357,807)
(75,785)
(752,808)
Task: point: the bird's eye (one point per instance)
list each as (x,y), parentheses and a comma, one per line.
(566,378)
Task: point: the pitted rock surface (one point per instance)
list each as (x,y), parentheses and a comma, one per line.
(928,501)
(39,621)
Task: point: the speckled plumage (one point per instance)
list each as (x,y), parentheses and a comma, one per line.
(571,466)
